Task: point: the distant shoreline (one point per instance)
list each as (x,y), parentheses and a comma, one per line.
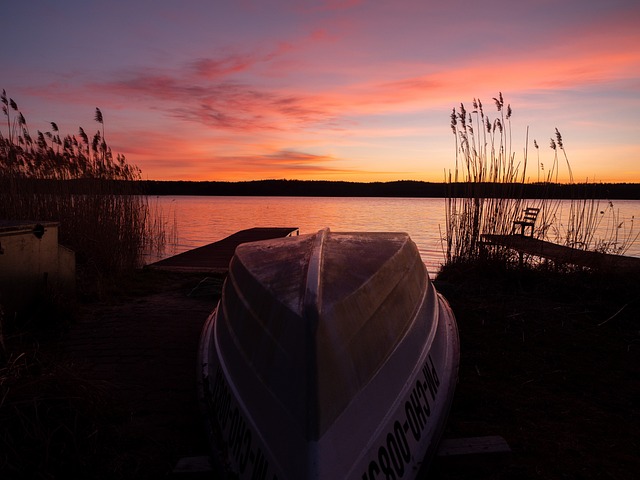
(324,188)
(405,188)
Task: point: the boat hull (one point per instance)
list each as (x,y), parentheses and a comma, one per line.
(389,421)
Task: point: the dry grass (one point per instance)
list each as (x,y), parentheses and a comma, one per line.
(68,411)
(55,421)
(548,361)
(475,206)
(51,416)
(77,181)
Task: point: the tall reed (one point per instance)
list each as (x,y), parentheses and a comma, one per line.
(76,180)
(486,192)
(484,158)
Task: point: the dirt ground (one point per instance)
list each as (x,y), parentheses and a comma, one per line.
(551,363)
(132,359)
(145,347)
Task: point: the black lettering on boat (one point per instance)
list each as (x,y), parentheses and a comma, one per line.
(247,450)
(260,467)
(434,372)
(395,453)
(221,399)
(225,411)
(235,431)
(246,440)
(422,393)
(412,419)
(239,440)
(235,434)
(417,408)
(385,464)
(403,444)
(431,377)
(373,471)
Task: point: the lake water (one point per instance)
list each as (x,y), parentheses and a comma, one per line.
(198,220)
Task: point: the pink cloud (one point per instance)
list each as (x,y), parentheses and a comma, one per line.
(224,104)
(234,63)
(217,68)
(166,155)
(255,112)
(279,164)
(326,6)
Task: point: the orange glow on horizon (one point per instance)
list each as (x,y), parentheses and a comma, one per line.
(341,90)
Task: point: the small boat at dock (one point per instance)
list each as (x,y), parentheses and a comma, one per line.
(329,356)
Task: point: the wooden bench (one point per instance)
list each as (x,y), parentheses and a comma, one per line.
(529,217)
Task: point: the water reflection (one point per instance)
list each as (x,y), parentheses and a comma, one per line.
(202,220)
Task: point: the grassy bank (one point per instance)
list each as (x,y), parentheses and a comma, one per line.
(549,362)
(52,413)
(77,180)
(549,351)
(495,179)
(65,415)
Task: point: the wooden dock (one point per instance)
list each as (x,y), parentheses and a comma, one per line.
(565,255)
(215,257)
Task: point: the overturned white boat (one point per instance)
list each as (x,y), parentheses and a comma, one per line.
(329,356)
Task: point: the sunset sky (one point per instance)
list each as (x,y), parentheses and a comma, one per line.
(356,90)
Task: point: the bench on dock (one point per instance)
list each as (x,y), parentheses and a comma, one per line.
(562,254)
(529,217)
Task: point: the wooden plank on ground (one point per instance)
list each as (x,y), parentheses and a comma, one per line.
(193,468)
(475,457)
(473,446)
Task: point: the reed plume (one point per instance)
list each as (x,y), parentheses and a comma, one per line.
(478,203)
(78,183)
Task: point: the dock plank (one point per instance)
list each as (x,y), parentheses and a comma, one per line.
(562,254)
(215,257)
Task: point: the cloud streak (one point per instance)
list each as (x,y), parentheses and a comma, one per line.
(324,89)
